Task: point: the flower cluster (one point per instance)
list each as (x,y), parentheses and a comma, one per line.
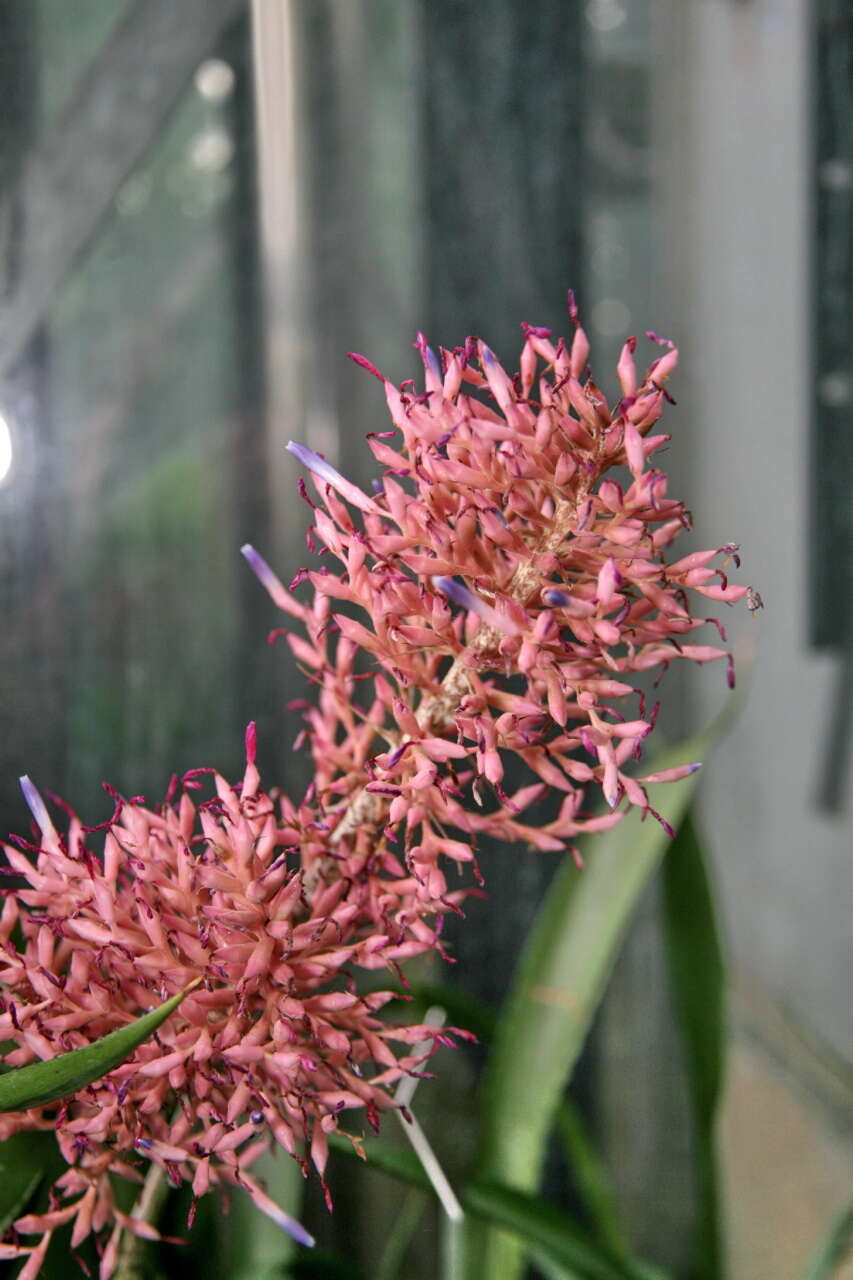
(274,1044)
(475,649)
(508,589)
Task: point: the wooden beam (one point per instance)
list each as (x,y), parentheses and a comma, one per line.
(68,183)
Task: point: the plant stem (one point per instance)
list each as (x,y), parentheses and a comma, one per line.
(148,1208)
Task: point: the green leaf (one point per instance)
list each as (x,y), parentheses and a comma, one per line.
(22,1161)
(697,980)
(43,1082)
(591,1179)
(400,1235)
(557,988)
(322,1264)
(562,1243)
(397,1162)
(834,1249)
(542,1225)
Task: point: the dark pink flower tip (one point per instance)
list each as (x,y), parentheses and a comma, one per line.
(661,342)
(364,363)
(251,742)
(573,307)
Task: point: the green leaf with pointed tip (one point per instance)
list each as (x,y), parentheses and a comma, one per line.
(41,1082)
(697,980)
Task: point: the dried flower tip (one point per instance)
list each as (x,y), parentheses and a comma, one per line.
(36,806)
(467,600)
(325,471)
(368,365)
(753,601)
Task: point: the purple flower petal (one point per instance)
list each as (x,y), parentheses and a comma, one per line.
(324,470)
(260,568)
(467,600)
(36,806)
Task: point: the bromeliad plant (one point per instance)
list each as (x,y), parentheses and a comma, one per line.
(486,615)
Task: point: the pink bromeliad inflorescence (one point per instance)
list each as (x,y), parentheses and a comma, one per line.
(494,601)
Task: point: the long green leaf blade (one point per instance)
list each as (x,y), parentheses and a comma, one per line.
(697,980)
(591,1180)
(41,1082)
(550,1233)
(557,988)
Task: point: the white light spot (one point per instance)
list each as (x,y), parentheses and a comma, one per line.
(5,449)
(836,175)
(605,15)
(835,390)
(611,317)
(214,80)
(211,150)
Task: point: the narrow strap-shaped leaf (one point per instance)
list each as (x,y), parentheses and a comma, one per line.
(551,1234)
(835,1248)
(590,1179)
(41,1082)
(697,981)
(557,987)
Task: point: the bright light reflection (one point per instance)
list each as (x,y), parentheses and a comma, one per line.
(5,449)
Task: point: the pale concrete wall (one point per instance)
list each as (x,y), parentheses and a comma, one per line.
(733,101)
(745,401)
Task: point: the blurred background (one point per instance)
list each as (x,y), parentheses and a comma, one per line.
(204,206)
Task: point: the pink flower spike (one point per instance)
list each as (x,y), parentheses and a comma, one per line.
(323,470)
(36,806)
(467,600)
